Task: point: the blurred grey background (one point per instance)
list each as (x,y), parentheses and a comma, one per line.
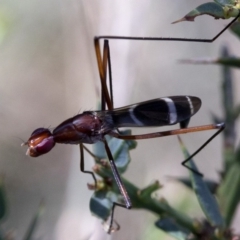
(48,73)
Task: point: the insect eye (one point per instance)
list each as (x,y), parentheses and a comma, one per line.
(40,142)
(44,146)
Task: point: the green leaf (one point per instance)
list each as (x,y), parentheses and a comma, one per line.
(228,102)
(33,225)
(172,228)
(101,203)
(206,200)
(236,112)
(210,8)
(99,150)
(132,144)
(3,203)
(230,62)
(225,61)
(212,185)
(219,9)
(228,192)
(226,2)
(119,149)
(147,192)
(235,28)
(237,155)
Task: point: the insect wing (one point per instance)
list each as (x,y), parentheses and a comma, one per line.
(157,112)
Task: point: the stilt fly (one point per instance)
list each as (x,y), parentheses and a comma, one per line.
(92,126)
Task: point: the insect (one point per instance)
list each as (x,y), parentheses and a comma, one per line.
(92,126)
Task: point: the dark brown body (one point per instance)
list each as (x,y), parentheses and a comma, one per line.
(88,127)
(92,126)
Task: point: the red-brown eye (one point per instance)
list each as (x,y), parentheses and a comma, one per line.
(40,142)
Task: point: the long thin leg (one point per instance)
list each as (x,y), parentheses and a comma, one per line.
(110,74)
(106,98)
(81,147)
(168,133)
(117,177)
(169,39)
(102,67)
(220,128)
(97,159)
(199,149)
(107,63)
(121,187)
(110,227)
(102,62)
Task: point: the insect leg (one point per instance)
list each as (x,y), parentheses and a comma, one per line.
(107,98)
(220,128)
(81,147)
(121,187)
(168,133)
(169,38)
(199,149)
(102,67)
